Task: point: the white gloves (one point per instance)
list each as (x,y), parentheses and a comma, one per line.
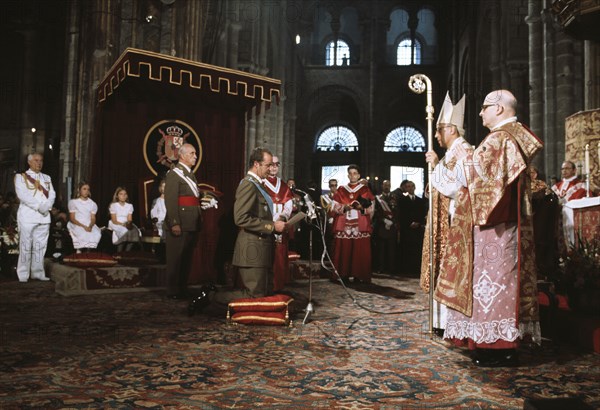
(44,208)
(205,204)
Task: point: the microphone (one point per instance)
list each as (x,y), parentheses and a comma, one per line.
(299,191)
(312,214)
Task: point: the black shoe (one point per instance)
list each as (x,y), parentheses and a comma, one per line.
(209,287)
(495,358)
(336,280)
(438,332)
(198,303)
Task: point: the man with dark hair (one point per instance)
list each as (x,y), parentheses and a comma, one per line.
(353,206)
(253,215)
(385,229)
(281,195)
(412,211)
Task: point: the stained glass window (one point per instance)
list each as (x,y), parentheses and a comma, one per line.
(404,139)
(337,139)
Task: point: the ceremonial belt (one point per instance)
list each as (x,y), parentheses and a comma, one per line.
(260,235)
(188,201)
(37,184)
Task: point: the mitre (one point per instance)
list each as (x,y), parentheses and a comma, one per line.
(453,114)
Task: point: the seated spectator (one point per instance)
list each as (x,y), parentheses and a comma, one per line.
(121,223)
(82,220)
(59,243)
(159,210)
(8,210)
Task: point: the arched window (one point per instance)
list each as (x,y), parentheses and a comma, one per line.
(337,139)
(337,53)
(403,56)
(404,139)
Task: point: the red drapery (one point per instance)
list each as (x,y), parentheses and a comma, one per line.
(143,88)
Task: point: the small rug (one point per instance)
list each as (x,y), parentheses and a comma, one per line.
(71,280)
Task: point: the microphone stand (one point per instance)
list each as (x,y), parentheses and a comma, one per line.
(309,307)
(310,216)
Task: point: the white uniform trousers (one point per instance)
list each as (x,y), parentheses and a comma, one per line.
(440,315)
(33,241)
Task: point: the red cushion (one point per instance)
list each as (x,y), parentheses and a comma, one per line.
(292,256)
(89,260)
(261,318)
(275,303)
(136,258)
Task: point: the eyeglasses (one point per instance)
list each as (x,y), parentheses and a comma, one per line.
(441,127)
(275,164)
(484,106)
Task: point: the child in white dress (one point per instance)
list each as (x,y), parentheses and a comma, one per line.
(121,217)
(159,210)
(82,220)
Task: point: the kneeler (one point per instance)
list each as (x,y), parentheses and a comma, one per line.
(268,310)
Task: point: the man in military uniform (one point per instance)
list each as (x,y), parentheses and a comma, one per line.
(36,197)
(183,220)
(253,215)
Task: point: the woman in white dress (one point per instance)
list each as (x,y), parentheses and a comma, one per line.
(159,210)
(121,217)
(82,220)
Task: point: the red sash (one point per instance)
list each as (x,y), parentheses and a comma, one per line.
(188,201)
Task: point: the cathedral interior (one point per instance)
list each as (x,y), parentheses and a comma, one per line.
(344,68)
(102,87)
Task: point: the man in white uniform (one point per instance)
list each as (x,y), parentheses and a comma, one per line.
(36,195)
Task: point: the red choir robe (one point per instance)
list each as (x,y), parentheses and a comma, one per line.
(282,198)
(567,190)
(352,233)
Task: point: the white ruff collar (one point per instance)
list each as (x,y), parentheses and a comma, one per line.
(353,190)
(275,188)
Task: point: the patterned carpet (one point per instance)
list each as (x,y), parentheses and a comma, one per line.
(362,350)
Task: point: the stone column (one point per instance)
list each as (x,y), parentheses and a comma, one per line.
(101,33)
(567,80)
(234,44)
(30,141)
(186,20)
(554,149)
(495,44)
(591,65)
(166,30)
(69,135)
(536,54)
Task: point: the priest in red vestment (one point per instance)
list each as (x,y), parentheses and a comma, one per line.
(282,198)
(353,205)
(496,306)
(567,189)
